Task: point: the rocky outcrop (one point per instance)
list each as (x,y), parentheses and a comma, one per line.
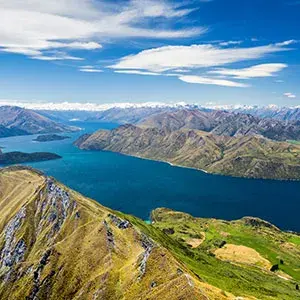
(256,222)
(13,250)
(148,245)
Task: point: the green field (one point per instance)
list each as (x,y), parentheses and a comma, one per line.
(176,229)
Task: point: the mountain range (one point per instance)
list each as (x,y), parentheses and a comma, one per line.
(58,244)
(224,123)
(20,121)
(274,112)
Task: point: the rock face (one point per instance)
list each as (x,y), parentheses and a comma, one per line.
(10,158)
(56,244)
(19,121)
(224,123)
(242,156)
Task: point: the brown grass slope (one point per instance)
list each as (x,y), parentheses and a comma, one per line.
(243,156)
(56,244)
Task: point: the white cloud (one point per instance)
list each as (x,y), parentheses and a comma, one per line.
(137,72)
(32,27)
(286,43)
(289,95)
(229,43)
(192,57)
(263,70)
(90,69)
(55,56)
(182,59)
(211,81)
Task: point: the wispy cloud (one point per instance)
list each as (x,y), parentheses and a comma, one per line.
(90,69)
(211,81)
(33,27)
(230,43)
(169,60)
(137,72)
(263,70)
(193,57)
(289,95)
(55,56)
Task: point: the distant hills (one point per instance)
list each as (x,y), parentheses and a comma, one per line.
(274,112)
(57,244)
(130,115)
(243,156)
(19,121)
(224,123)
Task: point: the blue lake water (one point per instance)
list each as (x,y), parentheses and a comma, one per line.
(137,186)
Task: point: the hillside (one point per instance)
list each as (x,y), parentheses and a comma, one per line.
(224,123)
(22,121)
(243,156)
(7,132)
(57,244)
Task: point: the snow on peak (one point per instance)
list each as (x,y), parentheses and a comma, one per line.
(76,106)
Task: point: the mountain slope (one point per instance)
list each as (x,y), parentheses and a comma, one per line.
(56,244)
(224,123)
(28,122)
(244,156)
(6,132)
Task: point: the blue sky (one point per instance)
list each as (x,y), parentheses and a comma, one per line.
(197,51)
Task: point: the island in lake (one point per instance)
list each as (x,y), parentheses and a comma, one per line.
(16,157)
(50,138)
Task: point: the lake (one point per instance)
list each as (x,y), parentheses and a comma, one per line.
(137,186)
